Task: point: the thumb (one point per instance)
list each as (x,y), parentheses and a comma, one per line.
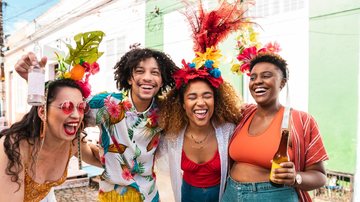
(43,61)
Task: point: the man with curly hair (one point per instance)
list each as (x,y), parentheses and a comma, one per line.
(128,123)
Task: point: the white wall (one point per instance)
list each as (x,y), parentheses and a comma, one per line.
(60,24)
(288,27)
(287,22)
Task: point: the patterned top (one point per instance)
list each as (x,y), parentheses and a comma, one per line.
(35,191)
(308,147)
(128,139)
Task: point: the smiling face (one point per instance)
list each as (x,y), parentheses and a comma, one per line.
(145,82)
(59,124)
(266,82)
(199,103)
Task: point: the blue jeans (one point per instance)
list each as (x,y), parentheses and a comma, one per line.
(257,191)
(194,194)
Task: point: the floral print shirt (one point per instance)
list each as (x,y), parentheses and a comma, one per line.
(128,139)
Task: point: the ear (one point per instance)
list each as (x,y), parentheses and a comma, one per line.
(41,113)
(283,83)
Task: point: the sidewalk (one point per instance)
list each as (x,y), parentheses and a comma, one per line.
(89,193)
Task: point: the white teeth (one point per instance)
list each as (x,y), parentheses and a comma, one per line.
(147,86)
(259,90)
(200,111)
(72,124)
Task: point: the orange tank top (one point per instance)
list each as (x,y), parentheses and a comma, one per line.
(35,191)
(257,149)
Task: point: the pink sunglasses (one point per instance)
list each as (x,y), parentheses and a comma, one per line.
(68,107)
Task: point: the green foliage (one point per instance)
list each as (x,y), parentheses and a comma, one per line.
(86,47)
(62,66)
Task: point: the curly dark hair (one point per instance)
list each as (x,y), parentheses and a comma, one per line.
(28,129)
(172,116)
(272,58)
(125,67)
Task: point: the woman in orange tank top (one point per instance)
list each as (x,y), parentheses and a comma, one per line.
(257,137)
(34,152)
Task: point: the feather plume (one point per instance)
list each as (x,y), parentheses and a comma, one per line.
(210,28)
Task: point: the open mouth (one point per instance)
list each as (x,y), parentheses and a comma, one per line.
(146,87)
(70,128)
(260,91)
(200,113)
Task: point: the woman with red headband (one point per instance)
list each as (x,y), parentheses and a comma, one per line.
(198,116)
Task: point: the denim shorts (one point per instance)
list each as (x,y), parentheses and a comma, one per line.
(257,191)
(195,194)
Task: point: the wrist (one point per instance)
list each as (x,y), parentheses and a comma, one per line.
(298,180)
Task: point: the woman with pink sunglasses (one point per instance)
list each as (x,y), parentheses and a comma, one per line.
(35,152)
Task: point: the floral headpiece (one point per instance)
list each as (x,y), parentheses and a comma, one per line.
(249,47)
(81,60)
(208,30)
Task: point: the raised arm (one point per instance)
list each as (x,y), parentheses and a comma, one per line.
(23,65)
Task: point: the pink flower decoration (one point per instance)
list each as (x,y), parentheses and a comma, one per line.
(126,174)
(86,65)
(94,68)
(103,160)
(246,56)
(273,47)
(127,105)
(112,107)
(85,87)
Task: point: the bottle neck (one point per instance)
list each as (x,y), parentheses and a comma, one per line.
(284,142)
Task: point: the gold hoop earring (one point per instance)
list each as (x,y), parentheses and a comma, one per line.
(42,130)
(81,128)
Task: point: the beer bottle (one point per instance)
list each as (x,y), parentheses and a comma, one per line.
(281,155)
(36,81)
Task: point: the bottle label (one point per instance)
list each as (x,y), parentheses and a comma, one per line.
(36,83)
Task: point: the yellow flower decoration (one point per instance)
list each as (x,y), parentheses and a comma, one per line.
(210,54)
(67,75)
(236,68)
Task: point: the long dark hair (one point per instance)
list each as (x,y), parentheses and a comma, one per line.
(28,129)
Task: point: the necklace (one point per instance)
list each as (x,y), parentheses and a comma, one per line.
(199,141)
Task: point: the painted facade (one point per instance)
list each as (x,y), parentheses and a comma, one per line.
(333,77)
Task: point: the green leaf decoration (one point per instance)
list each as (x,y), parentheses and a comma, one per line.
(141,168)
(130,133)
(137,152)
(149,178)
(102,116)
(138,121)
(152,188)
(61,61)
(86,47)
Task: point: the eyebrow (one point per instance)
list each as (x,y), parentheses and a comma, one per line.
(264,72)
(205,93)
(141,67)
